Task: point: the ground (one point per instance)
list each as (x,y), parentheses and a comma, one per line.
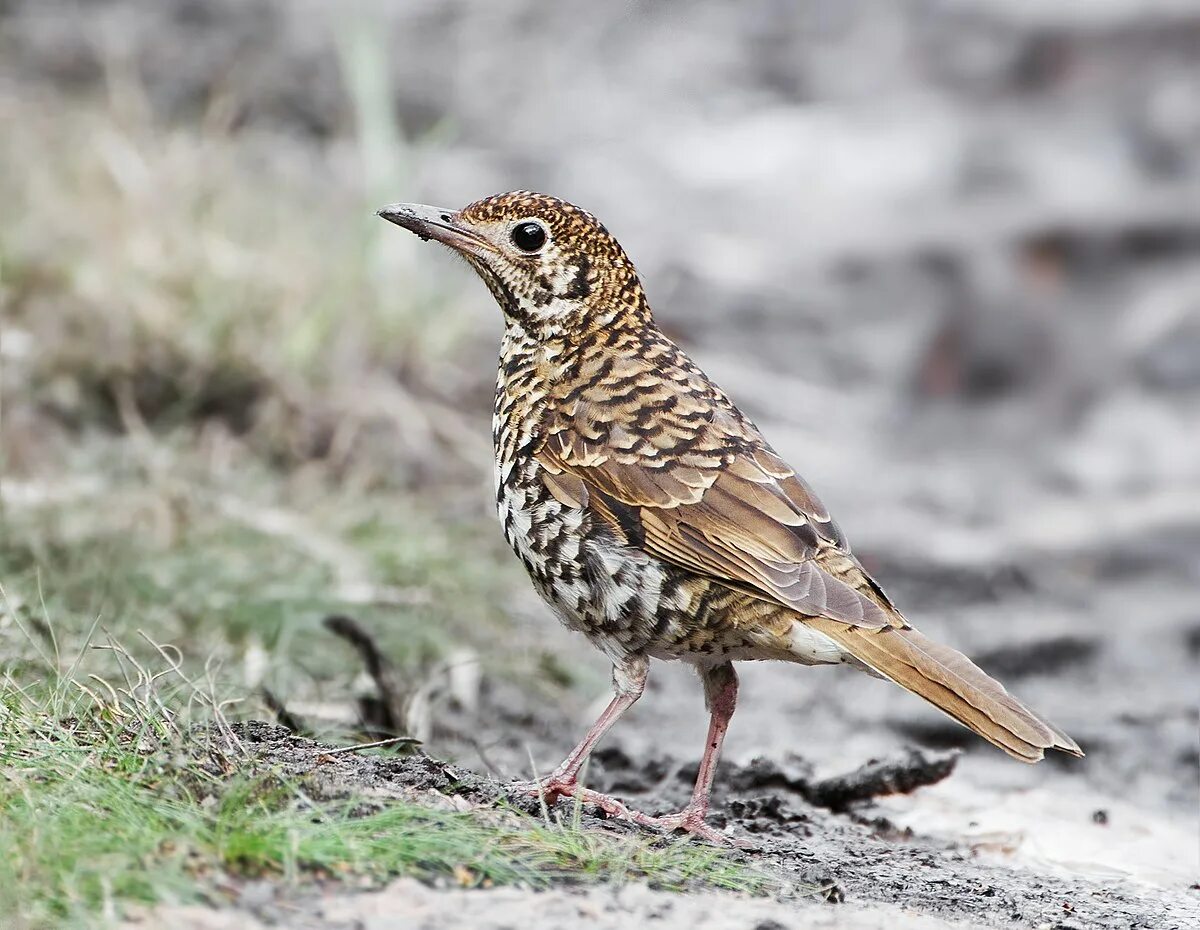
(956,290)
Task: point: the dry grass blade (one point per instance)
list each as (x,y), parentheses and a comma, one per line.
(377,744)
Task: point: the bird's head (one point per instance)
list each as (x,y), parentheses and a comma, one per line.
(553,268)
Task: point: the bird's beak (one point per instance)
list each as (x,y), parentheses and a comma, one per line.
(436,223)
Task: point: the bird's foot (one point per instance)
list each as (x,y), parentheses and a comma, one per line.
(561,786)
(548,789)
(689,820)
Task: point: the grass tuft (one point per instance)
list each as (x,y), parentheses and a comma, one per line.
(112,804)
(108,796)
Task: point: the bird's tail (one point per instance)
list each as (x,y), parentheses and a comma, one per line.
(954,684)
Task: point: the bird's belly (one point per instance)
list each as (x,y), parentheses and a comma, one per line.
(625,600)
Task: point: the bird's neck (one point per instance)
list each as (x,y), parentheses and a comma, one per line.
(524,378)
(539,369)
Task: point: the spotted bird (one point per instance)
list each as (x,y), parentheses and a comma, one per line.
(650,512)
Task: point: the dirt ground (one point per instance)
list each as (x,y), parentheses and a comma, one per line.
(957,291)
(409,904)
(860,869)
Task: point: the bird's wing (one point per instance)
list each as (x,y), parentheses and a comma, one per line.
(695,485)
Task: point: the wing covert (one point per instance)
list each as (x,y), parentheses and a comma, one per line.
(720,503)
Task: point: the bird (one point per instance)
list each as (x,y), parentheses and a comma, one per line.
(652,515)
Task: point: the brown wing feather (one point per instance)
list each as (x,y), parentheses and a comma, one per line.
(724,505)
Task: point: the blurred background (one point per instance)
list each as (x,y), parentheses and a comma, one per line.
(946,254)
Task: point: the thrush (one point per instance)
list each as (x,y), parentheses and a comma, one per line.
(652,515)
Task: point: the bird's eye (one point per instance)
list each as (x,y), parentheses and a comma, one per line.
(528,236)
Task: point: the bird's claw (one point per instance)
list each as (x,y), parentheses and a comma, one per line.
(689,820)
(548,790)
(551,789)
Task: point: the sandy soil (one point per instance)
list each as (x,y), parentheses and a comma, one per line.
(409,905)
(1014,870)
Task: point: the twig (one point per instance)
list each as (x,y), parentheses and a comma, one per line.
(377,666)
(291,722)
(391,741)
(882,777)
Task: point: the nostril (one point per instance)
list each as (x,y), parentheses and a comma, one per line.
(445,217)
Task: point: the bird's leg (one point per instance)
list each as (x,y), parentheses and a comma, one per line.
(720,694)
(629,681)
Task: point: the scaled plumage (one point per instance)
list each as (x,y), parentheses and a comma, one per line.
(652,515)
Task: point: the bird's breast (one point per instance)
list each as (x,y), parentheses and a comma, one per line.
(623,599)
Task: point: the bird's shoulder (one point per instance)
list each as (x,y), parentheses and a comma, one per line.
(644,402)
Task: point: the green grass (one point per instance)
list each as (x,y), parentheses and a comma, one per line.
(108,825)
(109,798)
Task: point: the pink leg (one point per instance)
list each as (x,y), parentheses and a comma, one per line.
(720,694)
(629,681)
